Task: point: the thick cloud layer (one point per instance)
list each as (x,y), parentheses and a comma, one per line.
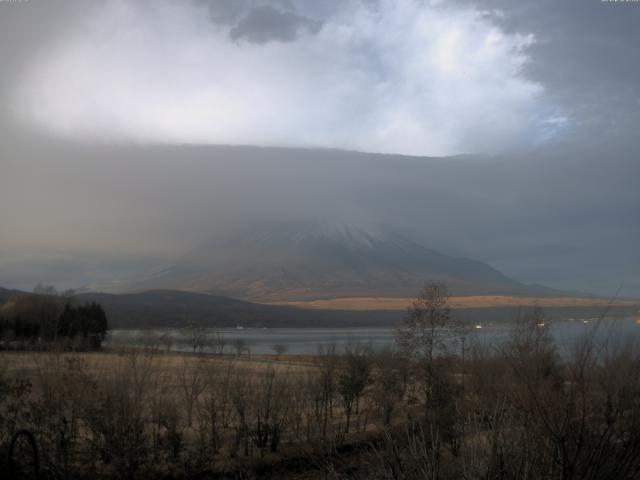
(550,216)
(552,86)
(386,76)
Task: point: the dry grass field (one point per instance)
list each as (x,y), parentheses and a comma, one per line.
(395,414)
(170,365)
(473,301)
(142,412)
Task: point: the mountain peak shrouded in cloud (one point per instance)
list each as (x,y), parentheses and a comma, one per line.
(113,117)
(385,76)
(554,218)
(298,260)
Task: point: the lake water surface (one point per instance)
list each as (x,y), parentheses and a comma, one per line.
(308,340)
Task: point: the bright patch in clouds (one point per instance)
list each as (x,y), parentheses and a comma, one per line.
(396,76)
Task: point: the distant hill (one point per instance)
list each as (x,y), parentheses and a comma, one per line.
(308,260)
(166,308)
(6,294)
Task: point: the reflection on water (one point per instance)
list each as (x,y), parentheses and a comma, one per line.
(307,340)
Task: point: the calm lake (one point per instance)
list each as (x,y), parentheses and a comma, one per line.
(308,340)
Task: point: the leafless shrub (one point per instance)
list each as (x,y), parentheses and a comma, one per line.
(216,408)
(271,410)
(115,415)
(279,349)
(217,342)
(240,347)
(353,377)
(198,337)
(191,381)
(242,401)
(15,408)
(391,378)
(324,391)
(410,454)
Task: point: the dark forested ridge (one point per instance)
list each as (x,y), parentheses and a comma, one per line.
(172,308)
(34,320)
(176,308)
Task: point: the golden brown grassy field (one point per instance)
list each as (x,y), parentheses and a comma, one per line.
(473,301)
(171,365)
(142,410)
(143,413)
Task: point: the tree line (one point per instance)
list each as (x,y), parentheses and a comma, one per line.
(47,316)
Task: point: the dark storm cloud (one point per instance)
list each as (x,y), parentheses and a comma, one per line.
(586,55)
(225,12)
(266,23)
(261,21)
(229,12)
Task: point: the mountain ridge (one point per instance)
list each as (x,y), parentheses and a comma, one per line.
(302,260)
(177,309)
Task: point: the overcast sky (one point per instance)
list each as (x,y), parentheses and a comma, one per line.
(98,100)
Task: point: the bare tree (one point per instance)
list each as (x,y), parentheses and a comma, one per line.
(218,342)
(214,413)
(166,341)
(326,386)
(198,337)
(240,346)
(272,402)
(191,384)
(427,333)
(279,349)
(353,377)
(41,289)
(391,380)
(242,396)
(428,324)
